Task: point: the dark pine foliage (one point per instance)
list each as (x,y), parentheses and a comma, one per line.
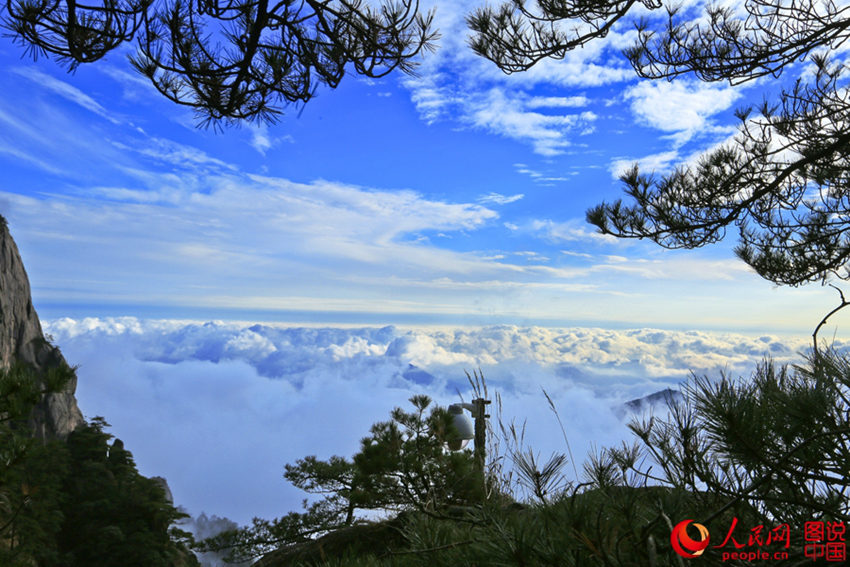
(230,60)
(114,515)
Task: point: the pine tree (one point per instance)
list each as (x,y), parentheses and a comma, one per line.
(403,465)
(235,60)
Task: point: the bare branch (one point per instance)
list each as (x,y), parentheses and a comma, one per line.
(844,303)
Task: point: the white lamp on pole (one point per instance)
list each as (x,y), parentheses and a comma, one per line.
(463,425)
(467,430)
(479,428)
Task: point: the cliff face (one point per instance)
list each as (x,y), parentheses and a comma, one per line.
(21,339)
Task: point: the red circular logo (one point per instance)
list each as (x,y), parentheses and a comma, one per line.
(682,542)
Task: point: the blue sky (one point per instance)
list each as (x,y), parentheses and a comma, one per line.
(454,197)
(397,214)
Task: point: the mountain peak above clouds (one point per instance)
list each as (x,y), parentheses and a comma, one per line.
(656,401)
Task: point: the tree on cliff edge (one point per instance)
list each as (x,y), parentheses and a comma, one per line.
(403,464)
(783,182)
(230,60)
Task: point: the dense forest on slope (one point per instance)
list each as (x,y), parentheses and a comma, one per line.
(79,502)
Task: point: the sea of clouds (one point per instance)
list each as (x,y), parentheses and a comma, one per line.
(218,408)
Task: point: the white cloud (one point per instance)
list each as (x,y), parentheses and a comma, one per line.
(677,267)
(212,238)
(682,107)
(22,155)
(455,84)
(135,87)
(580,68)
(263,141)
(531,255)
(66,91)
(525,170)
(260,139)
(174,153)
(686,110)
(218,408)
(499,199)
(548,134)
(574,230)
(40,132)
(661,265)
(659,162)
(541,178)
(557,102)
(432,101)
(583,255)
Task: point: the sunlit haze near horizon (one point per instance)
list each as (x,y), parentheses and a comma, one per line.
(238,299)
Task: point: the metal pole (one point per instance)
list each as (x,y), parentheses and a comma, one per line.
(480,433)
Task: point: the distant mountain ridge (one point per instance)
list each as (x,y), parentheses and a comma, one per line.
(655,401)
(22,340)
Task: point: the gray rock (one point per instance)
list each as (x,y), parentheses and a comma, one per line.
(163,483)
(22,339)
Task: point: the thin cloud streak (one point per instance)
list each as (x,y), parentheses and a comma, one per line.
(499,199)
(66,91)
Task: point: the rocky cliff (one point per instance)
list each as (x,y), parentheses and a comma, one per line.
(22,339)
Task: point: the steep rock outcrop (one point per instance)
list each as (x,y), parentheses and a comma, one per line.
(22,339)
